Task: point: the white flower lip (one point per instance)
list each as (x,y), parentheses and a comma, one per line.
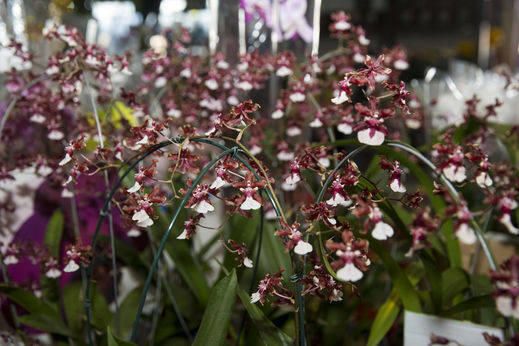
(65,160)
(350,273)
(250,204)
(277,114)
(466,234)
(345,128)
(342,25)
(340,98)
(382,231)
(302,248)
(455,173)
(136,187)
(53,273)
(203,207)
(142,218)
(397,186)
(283,71)
(247,262)
(365,138)
(71,266)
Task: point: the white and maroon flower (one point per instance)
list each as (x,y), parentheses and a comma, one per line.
(211,84)
(294,130)
(339,196)
(51,268)
(291,180)
(142,218)
(190,226)
(249,187)
(284,153)
(395,176)
(454,169)
(37,118)
(382,230)
(352,260)
(506,205)
(506,287)
(293,239)
(463,231)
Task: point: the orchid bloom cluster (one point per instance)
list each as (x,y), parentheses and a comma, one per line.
(288,152)
(506,282)
(38,254)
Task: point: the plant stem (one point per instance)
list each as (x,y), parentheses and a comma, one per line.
(254,273)
(102,214)
(110,217)
(166,236)
(170,294)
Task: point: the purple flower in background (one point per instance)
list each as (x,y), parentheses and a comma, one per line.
(292,20)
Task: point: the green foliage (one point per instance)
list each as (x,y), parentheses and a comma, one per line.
(385,318)
(217,316)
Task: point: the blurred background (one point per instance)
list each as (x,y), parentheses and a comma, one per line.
(484,32)
(456,49)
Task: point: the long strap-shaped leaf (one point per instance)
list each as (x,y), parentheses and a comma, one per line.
(217,315)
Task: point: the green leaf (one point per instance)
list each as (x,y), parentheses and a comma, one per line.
(217,316)
(399,279)
(385,318)
(54,232)
(128,310)
(434,278)
(28,301)
(269,333)
(46,323)
(113,340)
(73,297)
(454,281)
(475,303)
(101,315)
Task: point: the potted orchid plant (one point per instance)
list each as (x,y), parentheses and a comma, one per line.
(173,209)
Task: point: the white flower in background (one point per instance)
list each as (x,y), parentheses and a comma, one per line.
(302,248)
(65,160)
(283,71)
(37,118)
(136,187)
(71,266)
(277,114)
(247,262)
(466,234)
(211,84)
(350,273)
(142,218)
(455,173)
(382,231)
(203,207)
(483,179)
(297,97)
(55,135)
(371,137)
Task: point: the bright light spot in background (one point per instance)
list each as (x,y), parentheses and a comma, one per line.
(168,9)
(158,43)
(115,18)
